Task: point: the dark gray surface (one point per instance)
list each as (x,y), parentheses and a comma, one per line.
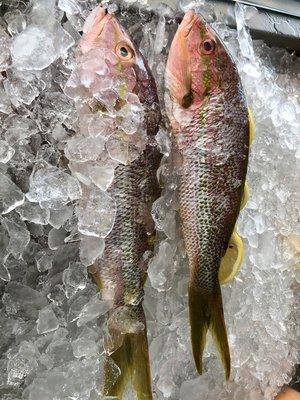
(289,7)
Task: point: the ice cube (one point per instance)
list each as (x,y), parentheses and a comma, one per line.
(5,103)
(20,87)
(18,128)
(93,309)
(16,21)
(52,187)
(130,118)
(90,249)
(59,216)
(74,278)
(26,300)
(4,273)
(69,6)
(43,261)
(56,238)
(5,43)
(96,212)
(34,213)
(6,152)
(33,49)
(85,345)
(18,368)
(101,173)
(84,149)
(47,321)
(164,143)
(161,278)
(19,236)
(120,149)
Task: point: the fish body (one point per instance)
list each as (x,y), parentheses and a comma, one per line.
(210,124)
(121,270)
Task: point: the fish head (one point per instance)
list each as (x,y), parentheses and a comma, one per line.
(115,60)
(197,64)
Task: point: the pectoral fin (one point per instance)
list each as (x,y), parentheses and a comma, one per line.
(232,260)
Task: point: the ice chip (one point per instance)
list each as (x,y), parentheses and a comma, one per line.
(90,249)
(16,21)
(24,299)
(83,347)
(122,150)
(33,49)
(84,149)
(6,152)
(160,35)
(43,261)
(20,87)
(18,368)
(4,273)
(56,238)
(130,117)
(96,212)
(60,215)
(164,143)
(161,277)
(34,213)
(47,321)
(97,172)
(69,6)
(5,42)
(18,128)
(5,102)
(74,278)
(93,309)
(51,187)
(19,236)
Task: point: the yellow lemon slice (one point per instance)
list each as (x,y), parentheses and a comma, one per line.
(232,260)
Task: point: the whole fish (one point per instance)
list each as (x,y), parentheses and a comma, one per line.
(210,122)
(121,271)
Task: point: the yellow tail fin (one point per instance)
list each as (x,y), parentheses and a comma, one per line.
(132,358)
(206,313)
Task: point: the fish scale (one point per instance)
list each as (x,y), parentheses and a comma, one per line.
(121,270)
(209,118)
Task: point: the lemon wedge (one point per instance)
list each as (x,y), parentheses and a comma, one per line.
(232,260)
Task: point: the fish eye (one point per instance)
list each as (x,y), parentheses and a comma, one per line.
(124,51)
(207,46)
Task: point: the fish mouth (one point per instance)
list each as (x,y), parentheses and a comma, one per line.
(94,26)
(187,23)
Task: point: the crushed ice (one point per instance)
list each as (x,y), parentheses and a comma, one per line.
(55,212)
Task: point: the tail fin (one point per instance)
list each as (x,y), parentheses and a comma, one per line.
(132,358)
(206,313)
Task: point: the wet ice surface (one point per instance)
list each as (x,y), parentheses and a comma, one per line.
(55,215)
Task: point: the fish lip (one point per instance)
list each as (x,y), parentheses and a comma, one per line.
(95,28)
(188,22)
